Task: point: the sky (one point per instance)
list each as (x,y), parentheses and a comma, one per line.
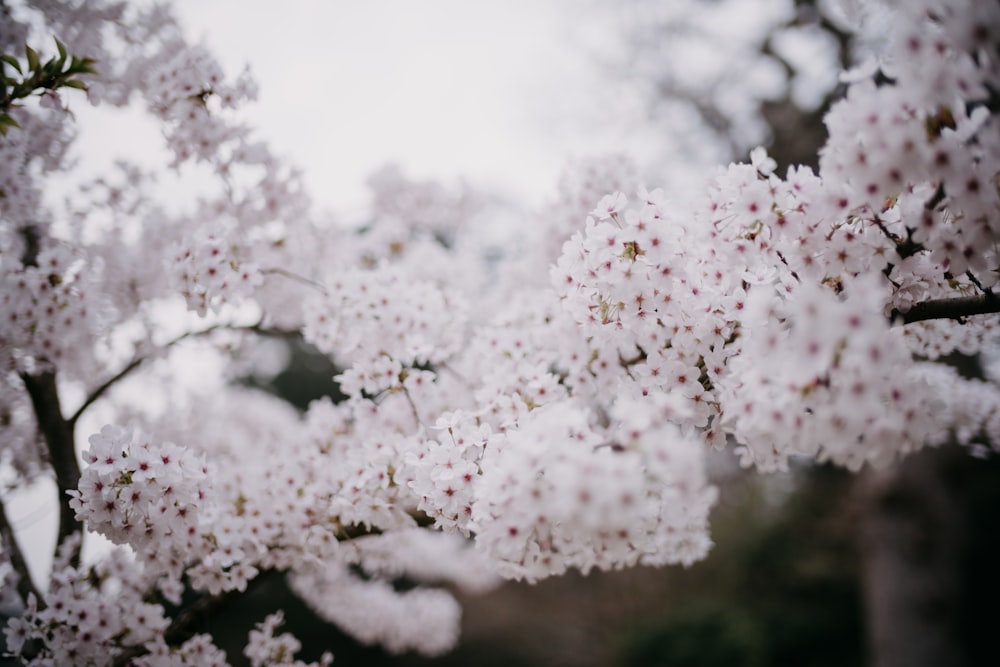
(501,94)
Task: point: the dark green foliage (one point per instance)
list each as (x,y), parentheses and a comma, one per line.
(780,588)
(18,82)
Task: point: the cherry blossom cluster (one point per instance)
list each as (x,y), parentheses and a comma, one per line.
(89,615)
(521,416)
(50,310)
(445,472)
(297,513)
(88,623)
(180,90)
(969,406)
(137,494)
(424,620)
(555,494)
(185,88)
(581,184)
(422,324)
(900,213)
(825,376)
(209,275)
(661,316)
(198,650)
(156,499)
(265,649)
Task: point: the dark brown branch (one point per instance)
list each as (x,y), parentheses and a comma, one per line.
(950,309)
(103,388)
(25,585)
(32,240)
(58,435)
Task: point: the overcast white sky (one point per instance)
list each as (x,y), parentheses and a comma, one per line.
(499,93)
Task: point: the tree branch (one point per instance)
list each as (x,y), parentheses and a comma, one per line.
(58,435)
(25,585)
(103,388)
(951,309)
(291,275)
(183,624)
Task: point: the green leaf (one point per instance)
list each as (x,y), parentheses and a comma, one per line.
(75,83)
(62,51)
(8,120)
(32,56)
(81,66)
(12,61)
(52,68)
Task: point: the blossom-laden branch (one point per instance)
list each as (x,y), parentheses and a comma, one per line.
(58,432)
(652,340)
(182,625)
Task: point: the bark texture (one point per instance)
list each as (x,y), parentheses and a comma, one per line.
(928,546)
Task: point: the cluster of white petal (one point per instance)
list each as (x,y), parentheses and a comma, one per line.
(139,494)
(769,306)
(91,616)
(265,649)
(823,375)
(520,416)
(378,321)
(424,620)
(558,493)
(51,311)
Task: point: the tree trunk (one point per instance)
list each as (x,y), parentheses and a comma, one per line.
(913,539)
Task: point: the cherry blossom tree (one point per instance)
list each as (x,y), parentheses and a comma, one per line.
(514,417)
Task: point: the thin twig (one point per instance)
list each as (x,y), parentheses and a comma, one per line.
(103,388)
(413,406)
(291,275)
(975,281)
